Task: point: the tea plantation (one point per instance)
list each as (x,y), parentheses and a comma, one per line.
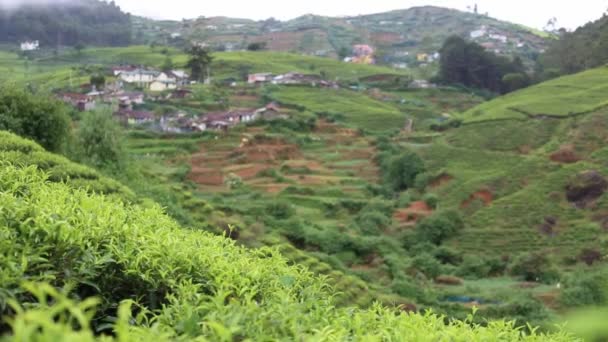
(84,266)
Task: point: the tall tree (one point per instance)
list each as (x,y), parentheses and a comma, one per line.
(199,62)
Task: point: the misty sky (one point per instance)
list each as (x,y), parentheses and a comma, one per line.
(534,13)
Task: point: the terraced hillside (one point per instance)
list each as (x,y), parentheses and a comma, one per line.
(400,34)
(563,97)
(517,178)
(98,268)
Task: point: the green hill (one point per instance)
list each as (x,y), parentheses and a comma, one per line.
(563,97)
(95,265)
(397,35)
(512,162)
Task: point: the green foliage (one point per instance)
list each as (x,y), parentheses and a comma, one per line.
(98,80)
(578,50)
(566,96)
(535,267)
(372,222)
(431,200)
(400,171)
(439,227)
(99,141)
(280,210)
(89,21)
(199,61)
(586,288)
(427,264)
(34,116)
(469,64)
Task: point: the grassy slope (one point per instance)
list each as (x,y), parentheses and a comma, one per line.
(565,96)
(511,159)
(356,109)
(207,286)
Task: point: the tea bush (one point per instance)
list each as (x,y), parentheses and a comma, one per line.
(79,266)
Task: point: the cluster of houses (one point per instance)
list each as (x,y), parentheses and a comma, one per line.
(214,121)
(29,45)
(362,54)
(291,78)
(154,80)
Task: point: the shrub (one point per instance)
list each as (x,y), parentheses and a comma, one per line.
(448,255)
(400,171)
(372,222)
(439,227)
(431,200)
(280,210)
(586,289)
(474,267)
(189,285)
(427,264)
(99,141)
(535,267)
(37,117)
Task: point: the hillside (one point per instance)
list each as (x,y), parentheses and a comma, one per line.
(152,279)
(398,36)
(564,97)
(60,23)
(514,163)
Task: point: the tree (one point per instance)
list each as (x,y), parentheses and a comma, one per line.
(199,62)
(100,140)
(34,116)
(343,53)
(79,48)
(403,169)
(469,64)
(167,64)
(257,46)
(514,81)
(98,80)
(439,227)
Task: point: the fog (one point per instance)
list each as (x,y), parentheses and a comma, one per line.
(12,4)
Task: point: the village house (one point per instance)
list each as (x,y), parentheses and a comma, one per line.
(481,32)
(132,118)
(297,78)
(164,81)
(499,37)
(139,76)
(271,111)
(362,54)
(117,70)
(260,78)
(81,102)
(30,45)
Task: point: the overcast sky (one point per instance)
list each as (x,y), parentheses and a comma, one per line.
(534,13)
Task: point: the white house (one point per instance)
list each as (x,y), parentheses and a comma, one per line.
(159,85)
(30,45)
(499,37)
(482,31)
(139,76)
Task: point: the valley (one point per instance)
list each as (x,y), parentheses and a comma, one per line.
(178,190)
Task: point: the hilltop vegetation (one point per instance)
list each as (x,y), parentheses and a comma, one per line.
(70,23)
(152,279)
(579,50)
(398,36)
(563,97)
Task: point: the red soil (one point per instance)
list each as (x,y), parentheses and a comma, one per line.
(484,195)
(565,155)
(413,213)
(250,172)
(206,176)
